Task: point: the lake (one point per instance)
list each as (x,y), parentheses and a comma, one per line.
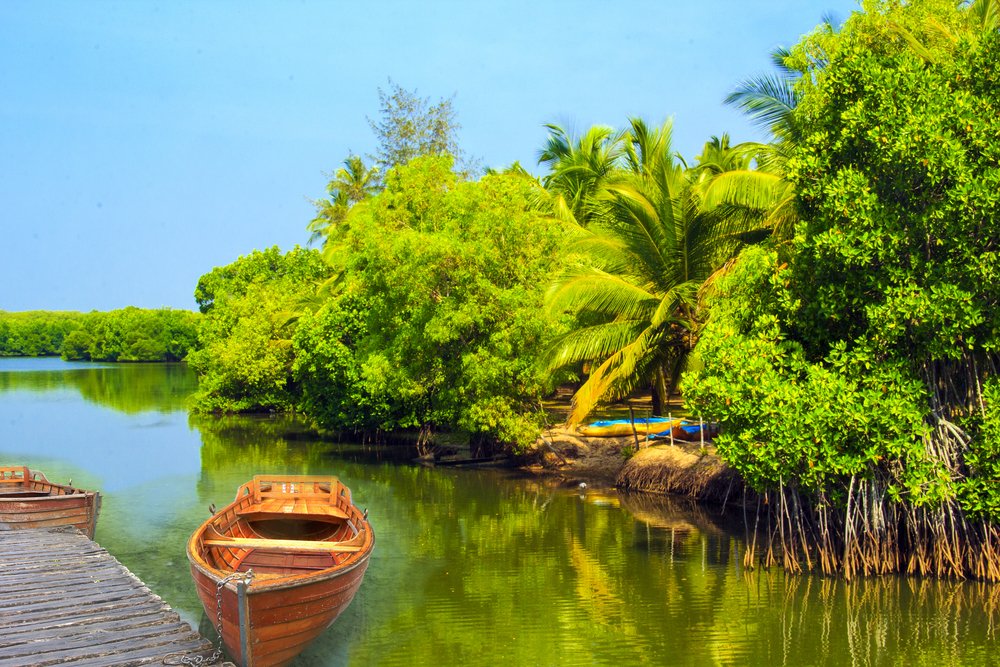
(471,567)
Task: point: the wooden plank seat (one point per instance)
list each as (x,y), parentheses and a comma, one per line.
(282,545)
(213,538)
(300,506)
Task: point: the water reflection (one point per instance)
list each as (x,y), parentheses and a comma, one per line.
(128,388)
(475,567)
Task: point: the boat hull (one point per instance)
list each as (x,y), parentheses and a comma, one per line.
(280,623)
(29,500)
(618,428)
(695,432)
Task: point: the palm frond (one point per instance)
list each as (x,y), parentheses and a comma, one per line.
(769,100)
(593,290)
(985,15)
(592,342)
(616,377)
(751,189)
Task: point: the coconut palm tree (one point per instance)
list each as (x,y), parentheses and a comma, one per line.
(578,168)
(649,247)
(770,101)
(352,183)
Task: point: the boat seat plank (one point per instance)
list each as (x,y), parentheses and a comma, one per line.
(282,545)
(282,508)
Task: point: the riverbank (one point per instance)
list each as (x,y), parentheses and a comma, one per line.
(682,468)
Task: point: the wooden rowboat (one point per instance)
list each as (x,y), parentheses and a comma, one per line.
(280,563)
(29,500)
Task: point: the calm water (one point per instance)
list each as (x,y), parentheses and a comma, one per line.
(471,567)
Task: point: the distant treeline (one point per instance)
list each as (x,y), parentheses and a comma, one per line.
(129,334)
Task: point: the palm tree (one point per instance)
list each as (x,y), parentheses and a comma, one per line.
(649,247)
(938,40)
(578,168)
(353,183)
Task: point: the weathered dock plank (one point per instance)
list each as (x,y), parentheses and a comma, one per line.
(64,600)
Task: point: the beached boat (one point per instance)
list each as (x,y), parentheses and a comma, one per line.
(280,564)
(688,432)
(608,428)
(696,431)
(29,500)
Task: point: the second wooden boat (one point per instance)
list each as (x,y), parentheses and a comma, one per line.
(29,500)
(278,565)
(695,431)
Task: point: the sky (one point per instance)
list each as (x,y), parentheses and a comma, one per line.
(144,143)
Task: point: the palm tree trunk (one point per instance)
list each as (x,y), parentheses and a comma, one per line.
(659,392)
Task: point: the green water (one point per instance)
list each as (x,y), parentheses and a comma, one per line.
(472,567)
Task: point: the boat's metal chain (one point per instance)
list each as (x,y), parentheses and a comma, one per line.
(199,660)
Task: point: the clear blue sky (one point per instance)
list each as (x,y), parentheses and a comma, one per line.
(143,143)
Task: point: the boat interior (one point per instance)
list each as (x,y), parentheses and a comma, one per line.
(285,526)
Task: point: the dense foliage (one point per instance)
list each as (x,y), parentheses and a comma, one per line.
(850,367)
(851,358)
(129,334)
(408,126)
(437,320)
(432,318)
(245,356)
(35,333)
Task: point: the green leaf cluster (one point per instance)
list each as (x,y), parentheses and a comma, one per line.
(791,420)
(36,333)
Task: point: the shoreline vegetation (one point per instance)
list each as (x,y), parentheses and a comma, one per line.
(127,334)
(829,298)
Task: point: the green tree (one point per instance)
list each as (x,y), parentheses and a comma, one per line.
(353,183)
(579,168)
(437,319)
(128,334)
(245,358)
(765,191)
(854,381)
(409,126)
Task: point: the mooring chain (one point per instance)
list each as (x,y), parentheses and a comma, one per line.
(199,660)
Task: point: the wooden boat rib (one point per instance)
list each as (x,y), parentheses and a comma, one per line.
(29,500)
(307,546)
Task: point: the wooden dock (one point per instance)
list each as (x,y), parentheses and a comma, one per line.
(65,600)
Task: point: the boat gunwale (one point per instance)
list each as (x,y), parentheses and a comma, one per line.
(31,477)
(78,494)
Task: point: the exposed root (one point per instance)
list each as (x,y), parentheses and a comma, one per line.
(870,536)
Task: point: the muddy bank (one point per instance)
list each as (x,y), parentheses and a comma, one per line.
(657,467)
